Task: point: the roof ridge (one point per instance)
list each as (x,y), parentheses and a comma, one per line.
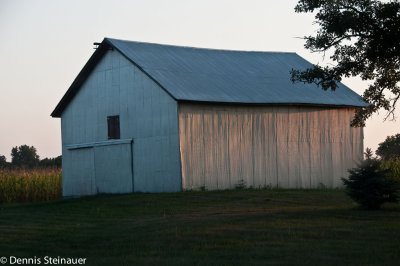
(198,48)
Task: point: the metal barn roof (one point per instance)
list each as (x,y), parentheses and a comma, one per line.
(223,76)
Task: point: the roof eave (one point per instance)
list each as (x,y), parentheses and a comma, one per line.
(276,104)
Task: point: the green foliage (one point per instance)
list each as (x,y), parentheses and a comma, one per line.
(390,148)
(30,186)
(393,164)
(368,153)
(371,185)
(240,185)
(24,156)
(3,162)
(51,162)
(365,38)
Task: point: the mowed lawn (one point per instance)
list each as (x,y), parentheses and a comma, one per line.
(242,227)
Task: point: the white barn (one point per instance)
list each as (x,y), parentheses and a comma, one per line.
(144,117)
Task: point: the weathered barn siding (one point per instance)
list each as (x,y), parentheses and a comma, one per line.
(148,151)
(278,146)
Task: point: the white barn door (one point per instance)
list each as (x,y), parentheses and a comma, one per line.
(113,168)
(80,179)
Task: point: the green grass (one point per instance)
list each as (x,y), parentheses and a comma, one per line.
(243,227)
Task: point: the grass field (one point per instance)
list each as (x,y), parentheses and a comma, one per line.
(243,227)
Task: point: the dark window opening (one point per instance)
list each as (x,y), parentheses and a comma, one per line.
(113,127)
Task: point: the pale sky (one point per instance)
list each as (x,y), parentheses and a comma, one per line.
(45,43)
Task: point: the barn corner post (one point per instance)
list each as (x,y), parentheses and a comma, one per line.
(181,170)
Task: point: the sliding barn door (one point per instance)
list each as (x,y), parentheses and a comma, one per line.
(78,173)
(114,170)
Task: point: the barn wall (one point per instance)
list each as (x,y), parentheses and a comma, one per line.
(288,147)
(148,116)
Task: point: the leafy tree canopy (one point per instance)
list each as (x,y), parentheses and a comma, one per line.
(3,161)
(365,38)
(24,156)
(390,148)
(51,162)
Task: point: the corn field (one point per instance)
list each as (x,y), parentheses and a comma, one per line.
(30,185)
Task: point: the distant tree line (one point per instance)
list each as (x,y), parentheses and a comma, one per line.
(25,156)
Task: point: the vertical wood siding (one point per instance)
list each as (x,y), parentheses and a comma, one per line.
(274,146)
(148,115)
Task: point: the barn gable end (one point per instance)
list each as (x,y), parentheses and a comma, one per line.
(148,133)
